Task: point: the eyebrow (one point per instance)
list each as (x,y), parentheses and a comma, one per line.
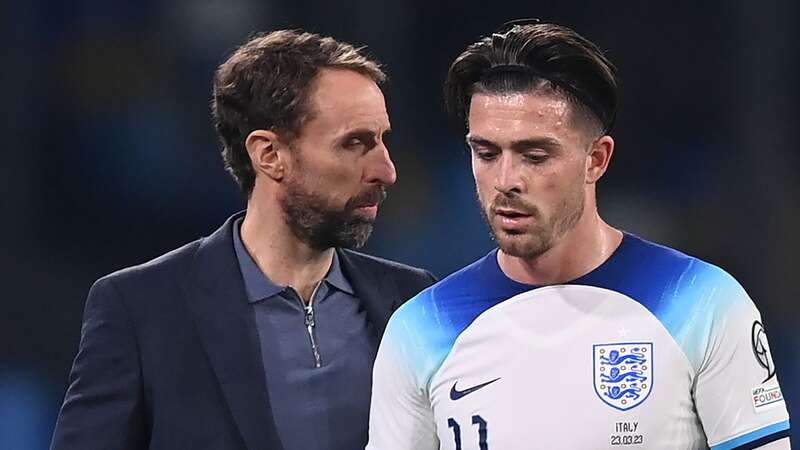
(363,133)
(546,143)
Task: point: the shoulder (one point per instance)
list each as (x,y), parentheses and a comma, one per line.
(639,252)
(163,270)
(377,263)
(424,329)
(675,278)
(463,295)
(692,298)
(139,291)
(380,267)
(443,296)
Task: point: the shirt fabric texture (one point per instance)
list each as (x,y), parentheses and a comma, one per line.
(314,408)
(652,349)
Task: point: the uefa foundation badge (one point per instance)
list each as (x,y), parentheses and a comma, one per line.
(623,373)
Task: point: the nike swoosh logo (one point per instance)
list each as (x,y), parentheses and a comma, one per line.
(455,394)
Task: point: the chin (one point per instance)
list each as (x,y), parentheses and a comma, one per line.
(523,245)
(353,236)
(363,218)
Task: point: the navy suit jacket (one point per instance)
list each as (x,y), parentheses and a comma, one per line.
(169,355)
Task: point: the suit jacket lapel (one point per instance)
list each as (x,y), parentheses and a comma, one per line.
(372,287)
(218,302)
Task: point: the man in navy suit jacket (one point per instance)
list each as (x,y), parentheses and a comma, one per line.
(263,334)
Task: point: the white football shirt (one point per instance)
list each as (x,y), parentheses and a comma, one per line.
(652,350)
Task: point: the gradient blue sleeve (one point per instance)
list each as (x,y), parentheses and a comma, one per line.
(736,390)
(400,414)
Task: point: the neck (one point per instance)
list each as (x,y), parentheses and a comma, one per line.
(579,251)
(279,254)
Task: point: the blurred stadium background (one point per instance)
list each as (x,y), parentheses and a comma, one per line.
(110,158)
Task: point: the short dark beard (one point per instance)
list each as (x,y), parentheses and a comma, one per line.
(542,237)
(314,221)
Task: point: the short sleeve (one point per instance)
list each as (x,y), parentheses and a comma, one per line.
(400,413)
(737,394)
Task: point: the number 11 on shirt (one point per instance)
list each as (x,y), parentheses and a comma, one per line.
(483,430)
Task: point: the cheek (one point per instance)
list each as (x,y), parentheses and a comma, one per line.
(332,176)
(550,187)
(571,186)
(483,183)
(341,176)
(543,184)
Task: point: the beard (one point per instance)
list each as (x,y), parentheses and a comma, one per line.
(543,233)
(315,220)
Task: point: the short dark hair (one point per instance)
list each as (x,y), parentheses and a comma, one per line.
(265,84)
(535,56)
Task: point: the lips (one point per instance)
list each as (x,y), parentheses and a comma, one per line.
(511,220)
(366,204)
(512,213)
(370,198)
(370,211)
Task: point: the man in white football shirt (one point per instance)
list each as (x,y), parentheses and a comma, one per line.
(573,334)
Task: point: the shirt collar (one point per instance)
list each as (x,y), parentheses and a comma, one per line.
(336,277)
(258,285)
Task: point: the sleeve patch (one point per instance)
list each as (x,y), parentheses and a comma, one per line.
(766,397)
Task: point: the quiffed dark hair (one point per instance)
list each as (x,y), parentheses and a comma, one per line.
(532,56)
(265,84)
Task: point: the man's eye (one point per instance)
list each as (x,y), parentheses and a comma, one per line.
(486,155)
(535,158)
(354,143)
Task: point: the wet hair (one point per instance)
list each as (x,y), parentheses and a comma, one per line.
(536,57)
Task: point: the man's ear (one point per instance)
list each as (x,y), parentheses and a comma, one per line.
(262,146)
(598,158)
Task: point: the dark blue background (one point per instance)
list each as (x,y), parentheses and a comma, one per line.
(110,158)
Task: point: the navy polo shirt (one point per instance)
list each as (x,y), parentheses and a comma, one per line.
(319,389)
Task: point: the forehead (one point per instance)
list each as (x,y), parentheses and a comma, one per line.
(515,116)
(342,98)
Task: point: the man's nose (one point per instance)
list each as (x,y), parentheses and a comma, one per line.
(381,169)
(507,176)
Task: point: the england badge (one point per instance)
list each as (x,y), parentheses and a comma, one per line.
(623,373)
